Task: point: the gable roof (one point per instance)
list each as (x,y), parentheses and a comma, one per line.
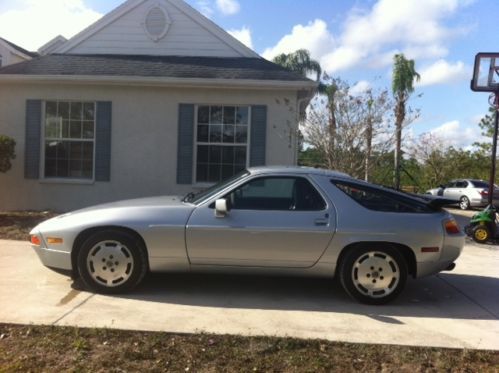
(180,5)
(52,45)
(18,49)
(179,68)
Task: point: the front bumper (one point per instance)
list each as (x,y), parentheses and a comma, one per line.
(54,259)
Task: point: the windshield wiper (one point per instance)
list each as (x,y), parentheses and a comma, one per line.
(188,197)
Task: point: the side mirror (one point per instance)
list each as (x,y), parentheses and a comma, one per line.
(222,208)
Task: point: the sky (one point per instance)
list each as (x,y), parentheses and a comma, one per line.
(354,40)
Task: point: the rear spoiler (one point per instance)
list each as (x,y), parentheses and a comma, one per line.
(437,202)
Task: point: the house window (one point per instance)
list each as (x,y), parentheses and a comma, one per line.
(221,142)
(69,139)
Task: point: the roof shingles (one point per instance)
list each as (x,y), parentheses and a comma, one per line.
(153,66)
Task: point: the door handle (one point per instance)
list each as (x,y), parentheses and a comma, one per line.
(321,221)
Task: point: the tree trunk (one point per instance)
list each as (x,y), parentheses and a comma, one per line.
(332,133)
(399,120)
(369,140)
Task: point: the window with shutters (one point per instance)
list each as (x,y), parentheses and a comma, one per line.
(221,142)
(68,140)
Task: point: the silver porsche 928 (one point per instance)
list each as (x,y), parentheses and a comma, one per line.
(279,220)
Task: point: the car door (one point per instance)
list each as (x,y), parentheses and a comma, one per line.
(462,189)
(275,221)
(451,190)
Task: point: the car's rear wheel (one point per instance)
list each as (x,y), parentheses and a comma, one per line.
(373,274)
(112,262)
(481,233)
(464,203)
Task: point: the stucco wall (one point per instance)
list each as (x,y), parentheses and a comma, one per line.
(144,140)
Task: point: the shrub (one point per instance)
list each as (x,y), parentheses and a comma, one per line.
(7,152)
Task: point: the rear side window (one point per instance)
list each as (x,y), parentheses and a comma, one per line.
(480,184)
(380,200)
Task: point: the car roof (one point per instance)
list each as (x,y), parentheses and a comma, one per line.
(297,170)
(339,176)
(471,180)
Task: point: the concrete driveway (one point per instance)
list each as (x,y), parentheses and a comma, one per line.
(455,309)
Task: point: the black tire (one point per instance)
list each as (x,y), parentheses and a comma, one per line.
(112,262)
(481,233)
(464,203)
(354,276)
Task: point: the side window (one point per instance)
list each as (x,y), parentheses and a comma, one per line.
(277,193)
(461,184)
(378,200)
(451,184)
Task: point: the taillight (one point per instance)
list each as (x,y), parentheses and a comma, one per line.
(484,193)
(451,226)
(35,240)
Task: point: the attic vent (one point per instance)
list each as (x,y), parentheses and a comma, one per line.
(156,23)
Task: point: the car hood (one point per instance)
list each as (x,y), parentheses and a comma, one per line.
(164,201)
(133,212)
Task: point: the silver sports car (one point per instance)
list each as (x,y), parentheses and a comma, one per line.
(279,220)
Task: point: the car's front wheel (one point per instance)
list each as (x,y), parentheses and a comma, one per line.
(112,261)
(373,274)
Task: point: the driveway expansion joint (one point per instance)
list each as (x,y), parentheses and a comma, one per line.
(74,308)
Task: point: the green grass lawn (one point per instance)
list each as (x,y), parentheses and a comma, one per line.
(51,348)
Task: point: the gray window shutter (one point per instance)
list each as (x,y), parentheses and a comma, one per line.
(32,139)
(103,141)
(185,153)
(258,138)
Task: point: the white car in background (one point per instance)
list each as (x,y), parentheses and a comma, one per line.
(469,192)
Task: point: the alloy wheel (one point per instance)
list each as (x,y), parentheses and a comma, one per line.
(375,274)
(110,263)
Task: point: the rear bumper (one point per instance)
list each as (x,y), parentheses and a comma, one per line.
(430,268)
(452,248)
(482,202)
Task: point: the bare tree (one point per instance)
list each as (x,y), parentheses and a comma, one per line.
(377,105)
(359,124)
(430,150)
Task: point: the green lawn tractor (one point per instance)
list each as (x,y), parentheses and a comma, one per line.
(483,225)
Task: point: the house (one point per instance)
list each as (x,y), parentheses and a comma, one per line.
(11,53)
(152,99)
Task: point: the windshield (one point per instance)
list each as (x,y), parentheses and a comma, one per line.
(211,191)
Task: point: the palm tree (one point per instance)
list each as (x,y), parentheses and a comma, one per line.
(404,76)
(300,62)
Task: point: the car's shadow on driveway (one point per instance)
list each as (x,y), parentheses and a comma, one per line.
(447,295)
